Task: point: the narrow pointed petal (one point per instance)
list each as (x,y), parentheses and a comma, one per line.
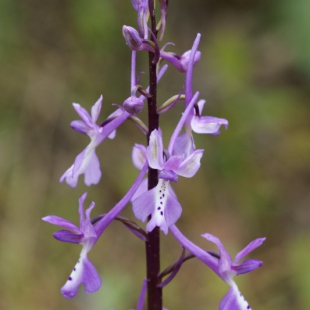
(85,273)
(96,108)
(247,266)
(83,114)
(234,300)
(80,126)
(224,267)
(68,236)
(56,220)
(81,207)
(190,165)
(154,152)
(88,210)
(249,248)
(138,156)
(208,124)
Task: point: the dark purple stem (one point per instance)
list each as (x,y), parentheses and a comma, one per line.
(154,293)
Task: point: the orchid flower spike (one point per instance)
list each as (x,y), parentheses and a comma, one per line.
(84,271)
(87,161)
(161,202)
(196,122)
(227,269)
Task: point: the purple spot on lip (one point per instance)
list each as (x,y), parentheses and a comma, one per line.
(161,213)
(158,208)
(70,279)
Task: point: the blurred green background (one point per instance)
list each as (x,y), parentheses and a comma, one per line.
(254,180)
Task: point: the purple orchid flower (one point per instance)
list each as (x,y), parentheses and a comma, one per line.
(206,124)
(196,122)
(161,202)
(87,235)
(87,161)
(227,269)
(84,271)
(224,267)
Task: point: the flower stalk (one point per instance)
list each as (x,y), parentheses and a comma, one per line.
(152,246)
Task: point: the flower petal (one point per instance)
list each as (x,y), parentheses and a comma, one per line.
(168,175)
(138,155)
(234,300)
(190,165)
(80,126)
(154,152)
(249,248)
(85,273)
(68,236)
(56,220)
(83,114)
(208,124)
(167,209)
(224,267)
(247,266)
(143,206)
(96,108)
(184,145)
(141,190)
(173,163)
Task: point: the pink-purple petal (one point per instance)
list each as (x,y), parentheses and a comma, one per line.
(168,175)
(56,220)
(173,209)
(173,163)
(138,155)
(154,152)
(96,108)
(83,273)
(207,124)
(190,165)
(143,206)
(80,126)
(83,114)
(184,145)
(224,266)
(247,266)
(68,236)
(234,300)
(249,248)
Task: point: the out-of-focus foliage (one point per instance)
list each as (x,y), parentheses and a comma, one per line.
(255,177)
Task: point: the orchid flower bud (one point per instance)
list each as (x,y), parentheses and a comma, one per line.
(133,105)
(132,38)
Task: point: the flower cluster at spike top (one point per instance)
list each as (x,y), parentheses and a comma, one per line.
(157,204)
